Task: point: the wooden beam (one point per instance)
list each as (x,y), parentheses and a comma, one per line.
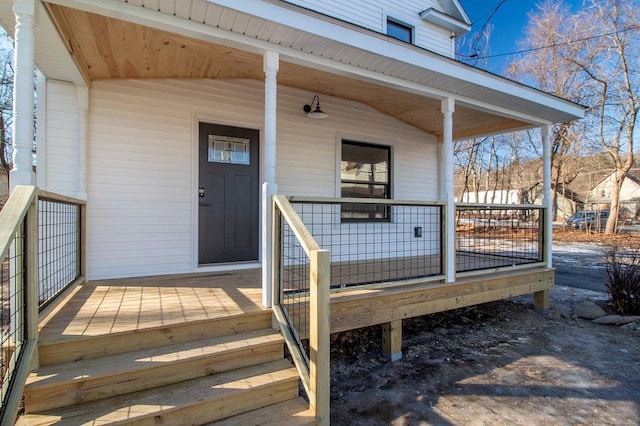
(319,374)
(541,300)
(366,307)
(392,340)
(31,279)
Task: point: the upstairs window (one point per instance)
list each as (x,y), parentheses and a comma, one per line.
(365,173)
(399,30)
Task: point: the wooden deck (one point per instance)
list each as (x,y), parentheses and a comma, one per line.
(116,306)
(119,345)
(121,306)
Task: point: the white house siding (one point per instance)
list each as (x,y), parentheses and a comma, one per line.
(141,162)
(373,15)
(62,138)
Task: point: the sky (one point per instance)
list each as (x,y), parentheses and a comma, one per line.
(508,23)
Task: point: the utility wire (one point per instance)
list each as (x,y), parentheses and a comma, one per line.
(533,49)
(474,45)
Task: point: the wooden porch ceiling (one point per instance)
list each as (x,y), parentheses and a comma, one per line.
(109,48)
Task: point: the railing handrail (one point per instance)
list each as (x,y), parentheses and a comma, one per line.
(52,196)
(298,227)
(13,214)
(382,201)
(499,206)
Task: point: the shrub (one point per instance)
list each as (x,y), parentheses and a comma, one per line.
(622,266)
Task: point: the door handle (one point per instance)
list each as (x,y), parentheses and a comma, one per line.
(203,204)
(201,192)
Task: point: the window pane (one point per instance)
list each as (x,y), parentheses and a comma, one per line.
(354,190)
(226,149)
(365,173)
(399,31)
(365,163)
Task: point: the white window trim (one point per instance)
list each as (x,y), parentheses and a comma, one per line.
(372,140)
(412,28)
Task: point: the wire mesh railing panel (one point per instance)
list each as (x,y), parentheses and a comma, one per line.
(500,236)
(406,245)
(59,247)
(294,286)
(13,311)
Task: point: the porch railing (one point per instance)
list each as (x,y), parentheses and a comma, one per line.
(498,236)
(41,238)
(60,244)
(19,245)
(301,302)
(376,241)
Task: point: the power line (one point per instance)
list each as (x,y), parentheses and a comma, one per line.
(474,45)
(533,49)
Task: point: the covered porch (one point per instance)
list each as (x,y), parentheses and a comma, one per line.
(136,83)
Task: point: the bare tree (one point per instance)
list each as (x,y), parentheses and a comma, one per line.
(6,101)
(609,59)
(547,41)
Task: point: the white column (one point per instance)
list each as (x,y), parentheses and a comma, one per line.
(41,130)
(23,91)
(83,135)
(447,108)
(547,201)
(269,187)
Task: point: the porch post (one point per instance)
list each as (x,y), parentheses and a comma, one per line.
(83,132)
(546,189)
(541,298)
(269,187)
(447,108)
(23,91)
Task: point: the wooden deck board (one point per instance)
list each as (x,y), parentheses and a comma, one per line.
(114,306)
(126,305)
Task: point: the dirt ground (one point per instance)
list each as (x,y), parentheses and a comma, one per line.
(500,363)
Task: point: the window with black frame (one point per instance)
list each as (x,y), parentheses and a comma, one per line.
(365,172)
(400,31)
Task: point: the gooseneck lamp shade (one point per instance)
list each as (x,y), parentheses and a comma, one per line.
(315,113)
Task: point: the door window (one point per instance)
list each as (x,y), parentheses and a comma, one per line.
(226,149)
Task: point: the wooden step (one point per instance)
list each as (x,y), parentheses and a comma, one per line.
(196,401)
(74,348)
(61,385)
(294,412)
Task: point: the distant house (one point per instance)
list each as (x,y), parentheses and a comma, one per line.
(500,196)
(567,202)
(600,195)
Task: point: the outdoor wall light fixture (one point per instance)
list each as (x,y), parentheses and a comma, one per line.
(316,113)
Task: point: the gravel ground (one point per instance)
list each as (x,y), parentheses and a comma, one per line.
(497,363)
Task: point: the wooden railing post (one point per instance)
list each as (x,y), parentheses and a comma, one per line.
(319,373)
(276,259)
(31,278)
(83,240)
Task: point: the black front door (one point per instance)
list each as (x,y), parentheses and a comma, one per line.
(228,194)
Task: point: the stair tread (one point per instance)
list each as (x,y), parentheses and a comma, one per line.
(56,348)
(110,365)
(294,412)
(155,403)
(52,339)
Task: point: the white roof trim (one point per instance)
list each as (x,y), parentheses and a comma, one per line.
(443,20)
(455,9)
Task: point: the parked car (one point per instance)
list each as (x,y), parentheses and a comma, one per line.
(588,219)
(579,218)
